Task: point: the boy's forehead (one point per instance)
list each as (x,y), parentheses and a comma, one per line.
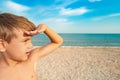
(21,34)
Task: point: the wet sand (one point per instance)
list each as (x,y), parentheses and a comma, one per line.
(77,63)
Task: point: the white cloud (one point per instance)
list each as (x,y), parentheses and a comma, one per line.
(16,7)
(112,15)
(94,0)
(56,20)
(107,16)
(61,20)
(64,3)
(72,12)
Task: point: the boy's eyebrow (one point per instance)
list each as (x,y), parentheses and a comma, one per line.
(27,38)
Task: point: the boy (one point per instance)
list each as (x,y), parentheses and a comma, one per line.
(17,58)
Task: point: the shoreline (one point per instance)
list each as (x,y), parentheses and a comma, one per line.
(85,46)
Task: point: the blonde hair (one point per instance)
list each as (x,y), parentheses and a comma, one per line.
(10,22)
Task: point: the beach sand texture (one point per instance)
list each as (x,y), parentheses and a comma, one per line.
(74,63)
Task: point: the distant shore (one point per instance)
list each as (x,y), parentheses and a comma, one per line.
(81,63)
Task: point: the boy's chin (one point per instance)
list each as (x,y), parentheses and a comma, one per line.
(23,59)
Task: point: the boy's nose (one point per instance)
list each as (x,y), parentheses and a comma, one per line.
(30,46)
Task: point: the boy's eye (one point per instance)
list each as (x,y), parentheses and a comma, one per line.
(26,40)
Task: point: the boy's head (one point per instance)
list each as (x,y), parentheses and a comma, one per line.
(14,44)
(10,22)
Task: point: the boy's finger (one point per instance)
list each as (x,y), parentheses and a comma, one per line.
(26,32)
(33,32)
(40,31)
(30,33)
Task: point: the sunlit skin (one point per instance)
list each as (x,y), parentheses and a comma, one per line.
(18,58)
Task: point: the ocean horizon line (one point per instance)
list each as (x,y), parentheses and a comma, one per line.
(88,33)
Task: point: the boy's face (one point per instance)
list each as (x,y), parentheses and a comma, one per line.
(19,47)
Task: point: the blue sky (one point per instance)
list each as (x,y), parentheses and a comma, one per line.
(69,16)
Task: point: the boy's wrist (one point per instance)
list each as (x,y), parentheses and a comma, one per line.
(41,28)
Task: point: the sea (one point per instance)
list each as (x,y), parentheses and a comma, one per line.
(81,40)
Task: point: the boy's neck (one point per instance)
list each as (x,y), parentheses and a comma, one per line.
(7,62)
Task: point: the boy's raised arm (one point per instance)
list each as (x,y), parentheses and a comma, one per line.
(55,39)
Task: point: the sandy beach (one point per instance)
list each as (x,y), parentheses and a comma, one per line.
(77,63)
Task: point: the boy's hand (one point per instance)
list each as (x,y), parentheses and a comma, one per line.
(41,28)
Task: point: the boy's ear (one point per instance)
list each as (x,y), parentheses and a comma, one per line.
(2,45)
